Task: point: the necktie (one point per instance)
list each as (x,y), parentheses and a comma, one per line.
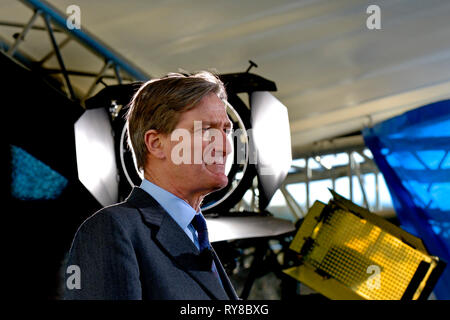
(199,224)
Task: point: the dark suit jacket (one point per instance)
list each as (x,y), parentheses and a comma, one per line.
(135,250)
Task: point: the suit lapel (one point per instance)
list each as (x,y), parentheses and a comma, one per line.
(174,241)
(224,278)
(184,252)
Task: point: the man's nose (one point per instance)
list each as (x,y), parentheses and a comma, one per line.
(222,147)
(227,143)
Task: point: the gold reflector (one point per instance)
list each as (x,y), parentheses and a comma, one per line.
(347,252)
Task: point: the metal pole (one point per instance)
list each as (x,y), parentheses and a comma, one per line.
(377,192)
(51,53)
(117,73)
(358,175)
(253,200)
(289,204)
(333,178)
(22,35)
(350,177)
(99,75)
(59,57)
(292,204)
(22,25)
(83,74)
(308,176)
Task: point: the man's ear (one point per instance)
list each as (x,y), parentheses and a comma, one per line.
(154,143)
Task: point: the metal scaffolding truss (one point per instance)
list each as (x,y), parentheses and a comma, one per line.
(306,174)
(358,165)
(115,67)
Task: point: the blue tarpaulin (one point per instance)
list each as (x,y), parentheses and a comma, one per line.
(412,152)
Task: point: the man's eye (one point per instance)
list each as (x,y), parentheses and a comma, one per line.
(206,133)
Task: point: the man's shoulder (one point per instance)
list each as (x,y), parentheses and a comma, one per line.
(122,213)
(125,215)
(117,208)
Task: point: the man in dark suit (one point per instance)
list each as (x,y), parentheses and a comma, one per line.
(154,245)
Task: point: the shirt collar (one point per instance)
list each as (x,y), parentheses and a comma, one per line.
(177,208)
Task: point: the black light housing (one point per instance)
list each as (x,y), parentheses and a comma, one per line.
(240,176)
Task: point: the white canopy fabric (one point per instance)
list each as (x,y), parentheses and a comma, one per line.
(333,73)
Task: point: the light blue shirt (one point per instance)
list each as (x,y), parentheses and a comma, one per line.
(178,209)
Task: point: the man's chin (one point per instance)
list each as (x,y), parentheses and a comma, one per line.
(218,171)
(222,181)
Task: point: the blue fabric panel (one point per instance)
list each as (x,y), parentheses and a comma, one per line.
(32,179)
(413,153)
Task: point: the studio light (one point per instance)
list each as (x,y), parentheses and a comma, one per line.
(347,252)
(96,162)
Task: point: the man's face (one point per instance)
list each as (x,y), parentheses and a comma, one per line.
(204,129)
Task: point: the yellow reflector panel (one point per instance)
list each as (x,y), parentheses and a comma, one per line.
(349,253)
(352,250)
